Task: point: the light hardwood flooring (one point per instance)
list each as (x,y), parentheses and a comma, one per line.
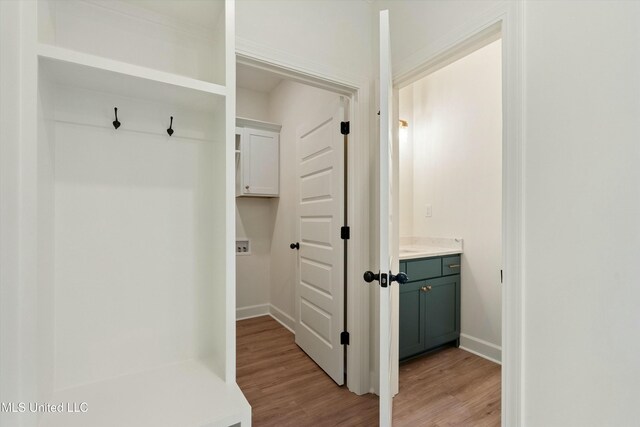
(285,387)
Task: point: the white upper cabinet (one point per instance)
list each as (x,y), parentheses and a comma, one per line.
(257,158)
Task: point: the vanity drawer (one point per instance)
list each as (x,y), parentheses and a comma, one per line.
(451,265)
(424,268)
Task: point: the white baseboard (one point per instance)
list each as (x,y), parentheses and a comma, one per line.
(280,316)
(283,318)
(481,348)
(252,311)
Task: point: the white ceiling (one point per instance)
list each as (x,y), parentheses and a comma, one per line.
(256,79)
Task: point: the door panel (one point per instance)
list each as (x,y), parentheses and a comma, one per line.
(384,325)
(317,276)
(320,275)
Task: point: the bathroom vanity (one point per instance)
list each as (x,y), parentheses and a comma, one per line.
(430,301)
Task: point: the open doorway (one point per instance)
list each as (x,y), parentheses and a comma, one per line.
(291,271)
(450,240)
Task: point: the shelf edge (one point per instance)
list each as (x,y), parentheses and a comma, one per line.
(56,53)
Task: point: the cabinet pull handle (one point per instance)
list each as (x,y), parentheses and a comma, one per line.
(454,266)
(246,187)
(426,288)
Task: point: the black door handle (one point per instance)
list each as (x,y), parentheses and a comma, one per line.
(401,278)
(295,245)
(369,276)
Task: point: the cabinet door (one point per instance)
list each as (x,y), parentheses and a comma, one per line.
(442,309)
(261,158)
(412,319)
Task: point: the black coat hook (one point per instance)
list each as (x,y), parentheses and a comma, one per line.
(116,123)
(170,130)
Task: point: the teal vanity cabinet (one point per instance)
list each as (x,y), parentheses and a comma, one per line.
(429,304)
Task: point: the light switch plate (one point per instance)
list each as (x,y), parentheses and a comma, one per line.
(428,211)
(243,247)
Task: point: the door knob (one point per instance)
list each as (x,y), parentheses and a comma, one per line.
(295,245)
(369,276)
(401,278)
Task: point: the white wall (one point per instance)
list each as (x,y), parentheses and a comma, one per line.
(332,36)
(582,92)
(9,213)
(113,192)
(252,104)
(290,104)
(582,211)
(457,164)
(406,164)
(254,220)
(419,27)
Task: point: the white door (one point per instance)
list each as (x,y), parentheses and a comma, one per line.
(385,279)
(320,208)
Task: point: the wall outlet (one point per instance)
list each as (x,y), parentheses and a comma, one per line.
(243,247)
(428,211)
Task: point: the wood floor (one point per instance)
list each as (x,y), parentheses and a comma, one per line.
(286,388)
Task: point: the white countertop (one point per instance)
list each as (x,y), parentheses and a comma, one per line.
(424,247)
(413,252)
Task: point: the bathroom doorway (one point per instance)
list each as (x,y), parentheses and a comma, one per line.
(450,190)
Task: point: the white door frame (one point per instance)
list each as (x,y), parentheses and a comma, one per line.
(505,20)
(357,91)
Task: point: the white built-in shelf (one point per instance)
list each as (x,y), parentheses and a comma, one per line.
(186,394)
(80,69)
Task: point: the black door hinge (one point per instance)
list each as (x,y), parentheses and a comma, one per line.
(344,128)
(345,232)
(344,338)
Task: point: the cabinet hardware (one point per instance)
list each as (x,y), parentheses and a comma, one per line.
(454,266)
(426,288)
